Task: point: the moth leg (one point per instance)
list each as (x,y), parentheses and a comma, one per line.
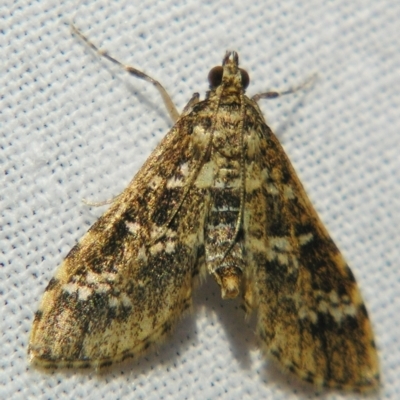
(173,112)
(276,93)
(101,203)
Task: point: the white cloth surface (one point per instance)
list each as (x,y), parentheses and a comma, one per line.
(73,126)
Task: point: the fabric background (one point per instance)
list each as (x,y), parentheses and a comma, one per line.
(73,126)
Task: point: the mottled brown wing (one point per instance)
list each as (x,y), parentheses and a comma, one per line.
(311,316)
(122,287)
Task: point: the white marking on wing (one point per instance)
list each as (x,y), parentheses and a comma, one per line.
(306,238)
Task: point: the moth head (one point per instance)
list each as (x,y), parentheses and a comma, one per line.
(229,69)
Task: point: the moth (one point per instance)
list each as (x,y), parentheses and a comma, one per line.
(217,195)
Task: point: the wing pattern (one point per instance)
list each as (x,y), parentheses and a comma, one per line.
(123,286)
(311,316)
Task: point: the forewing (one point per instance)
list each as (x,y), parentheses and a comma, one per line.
(311,316)
(122,287)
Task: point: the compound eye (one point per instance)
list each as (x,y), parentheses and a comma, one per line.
(215,76)
(245,78)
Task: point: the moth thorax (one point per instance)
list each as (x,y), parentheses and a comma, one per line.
(229,278)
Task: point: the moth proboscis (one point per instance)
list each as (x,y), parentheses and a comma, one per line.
(217,195)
